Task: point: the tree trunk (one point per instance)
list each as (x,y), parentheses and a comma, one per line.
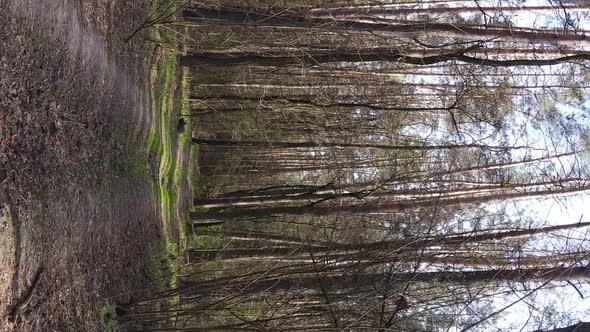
(337,283)
(383,10)
(287,145)
(386,206)
(233,17)
(391,55)
(578,327)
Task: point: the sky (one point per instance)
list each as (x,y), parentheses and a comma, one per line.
(551,211)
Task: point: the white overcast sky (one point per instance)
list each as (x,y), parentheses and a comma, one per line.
(548,211)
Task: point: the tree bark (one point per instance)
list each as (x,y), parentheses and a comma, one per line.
(392,55)
(369,280)
(385,206)
(578,327)
(397,246)
(383,10)
(236,17)
(288,145)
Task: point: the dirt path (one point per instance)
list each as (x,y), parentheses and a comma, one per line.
(77,211)
(61,23)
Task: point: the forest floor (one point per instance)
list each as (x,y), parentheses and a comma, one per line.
(83,186)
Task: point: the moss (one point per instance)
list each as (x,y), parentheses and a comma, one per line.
(194,174)
(108,317)
(211,270)
(160,142)
(163,263)
(168,147)
(214,238)
(208,242)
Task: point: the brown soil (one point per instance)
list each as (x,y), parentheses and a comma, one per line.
(77,210)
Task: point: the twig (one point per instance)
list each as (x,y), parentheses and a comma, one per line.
(28,295)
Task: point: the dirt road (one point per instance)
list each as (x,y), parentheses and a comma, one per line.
(77,210)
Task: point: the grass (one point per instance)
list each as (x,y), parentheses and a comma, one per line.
(194,175)
(108,317)
(163,262)
(173,162)
(163,138)
(171,167)
(163,267)
(213,240)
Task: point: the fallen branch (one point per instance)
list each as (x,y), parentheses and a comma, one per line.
(26,298)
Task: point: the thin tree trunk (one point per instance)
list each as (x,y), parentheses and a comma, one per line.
(382,10)
(334,250)
(396,56)
(337,283)
(377,206)
(287,145)
(233,17)
(578,327)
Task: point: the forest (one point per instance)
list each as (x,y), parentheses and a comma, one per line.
(349,165)
(384,166)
